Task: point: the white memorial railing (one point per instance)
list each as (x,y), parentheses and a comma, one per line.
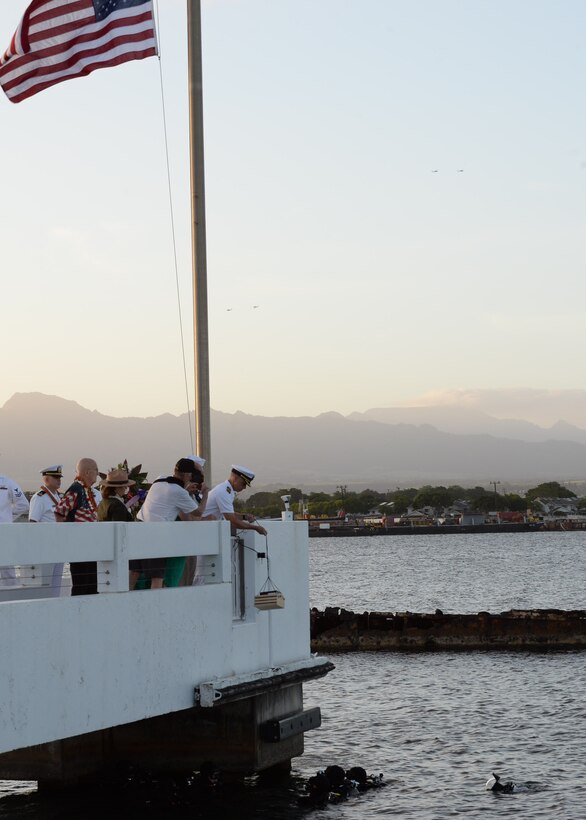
(33,548)
(77,664)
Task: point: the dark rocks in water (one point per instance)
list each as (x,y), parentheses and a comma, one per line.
(339,630)
(167,792)
(333,784)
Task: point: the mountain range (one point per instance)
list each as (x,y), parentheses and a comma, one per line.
(382,448)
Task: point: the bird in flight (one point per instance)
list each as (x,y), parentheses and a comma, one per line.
(255,306)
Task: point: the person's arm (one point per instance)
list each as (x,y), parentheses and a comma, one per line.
(65,506)
(189,516)
(20,504)
(201,507)
(198,514)
(35,512)
(186,506)
(241,522)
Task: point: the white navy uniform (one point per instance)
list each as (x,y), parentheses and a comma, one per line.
(42,507)
(220,503)
(221,500)
(42,510)
(13,504)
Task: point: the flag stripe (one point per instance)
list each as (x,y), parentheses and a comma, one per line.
(58,40)
(44,17)
(51,55)
(82,69)
(24,77)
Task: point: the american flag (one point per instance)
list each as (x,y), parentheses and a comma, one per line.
(58,40)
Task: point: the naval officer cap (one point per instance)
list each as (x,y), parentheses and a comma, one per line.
(198,460)
(56,471)
(244,473)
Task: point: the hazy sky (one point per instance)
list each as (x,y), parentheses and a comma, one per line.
(399,185)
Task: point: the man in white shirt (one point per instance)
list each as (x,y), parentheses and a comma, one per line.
(42,510)
(167,500)
(13,504)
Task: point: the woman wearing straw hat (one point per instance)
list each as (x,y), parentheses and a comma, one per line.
(112,508)
(114,488)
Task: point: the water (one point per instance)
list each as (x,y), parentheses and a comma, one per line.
(436,725)
(457,573)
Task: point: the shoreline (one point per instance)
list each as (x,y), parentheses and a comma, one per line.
(346,531)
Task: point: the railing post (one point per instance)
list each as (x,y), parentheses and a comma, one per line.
(113,575)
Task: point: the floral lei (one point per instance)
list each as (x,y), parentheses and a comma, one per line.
(89,495)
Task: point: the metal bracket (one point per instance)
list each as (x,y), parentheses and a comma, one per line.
(205,695)
(275,730)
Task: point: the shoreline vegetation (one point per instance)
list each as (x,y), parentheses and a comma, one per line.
(547,506)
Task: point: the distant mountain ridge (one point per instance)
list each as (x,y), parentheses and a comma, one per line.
(382,448)
(468,421)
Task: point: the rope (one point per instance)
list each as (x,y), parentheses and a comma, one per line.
(172,217)
(269,584)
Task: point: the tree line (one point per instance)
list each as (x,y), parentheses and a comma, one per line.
(478,499)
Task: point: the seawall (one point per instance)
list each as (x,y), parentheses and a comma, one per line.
(345,531)
(339,630)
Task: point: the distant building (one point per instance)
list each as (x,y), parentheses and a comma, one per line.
(469,517)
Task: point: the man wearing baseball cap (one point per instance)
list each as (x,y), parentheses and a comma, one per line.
(167,500)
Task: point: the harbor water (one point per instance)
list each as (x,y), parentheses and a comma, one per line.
(436,725)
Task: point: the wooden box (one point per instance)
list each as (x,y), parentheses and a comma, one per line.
(273,599)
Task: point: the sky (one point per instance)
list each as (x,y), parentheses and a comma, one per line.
(399,186)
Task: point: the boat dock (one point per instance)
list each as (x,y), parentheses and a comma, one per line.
(163,679)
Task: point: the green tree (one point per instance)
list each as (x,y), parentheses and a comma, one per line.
(260,499)
(473,493)
(402,500)
(456,492)
(295,493)
(486,502)
(436,497)
(550,489)
(514,502)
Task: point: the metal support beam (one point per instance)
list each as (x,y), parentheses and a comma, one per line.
(198,238)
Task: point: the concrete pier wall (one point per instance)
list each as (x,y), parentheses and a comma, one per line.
(339,630)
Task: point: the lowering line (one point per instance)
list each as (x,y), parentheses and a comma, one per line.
(172,217)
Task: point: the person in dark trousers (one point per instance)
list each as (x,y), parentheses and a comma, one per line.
(79,505)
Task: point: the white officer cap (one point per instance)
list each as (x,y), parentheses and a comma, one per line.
(56,470)
(198,460)
(244,473)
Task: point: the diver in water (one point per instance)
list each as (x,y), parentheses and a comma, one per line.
(333,784)
(493,784)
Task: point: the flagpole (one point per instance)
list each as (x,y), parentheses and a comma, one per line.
(198,238)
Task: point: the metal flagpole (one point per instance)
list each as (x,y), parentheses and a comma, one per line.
(198,238)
